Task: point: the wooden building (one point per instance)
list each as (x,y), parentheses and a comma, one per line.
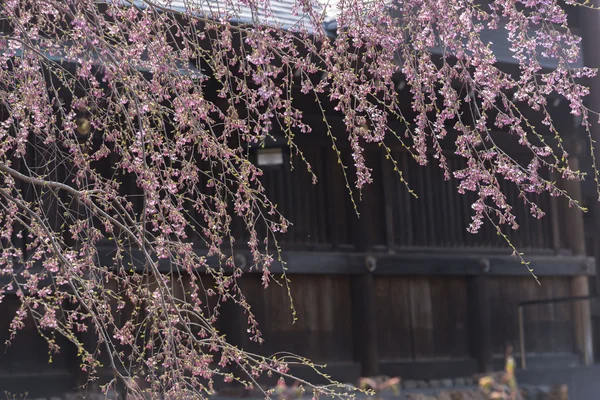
(405,290)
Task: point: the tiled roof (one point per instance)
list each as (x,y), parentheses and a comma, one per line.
(282,13)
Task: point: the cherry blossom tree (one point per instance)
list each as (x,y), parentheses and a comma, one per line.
(172,94)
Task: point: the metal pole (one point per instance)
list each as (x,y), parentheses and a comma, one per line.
(521,337)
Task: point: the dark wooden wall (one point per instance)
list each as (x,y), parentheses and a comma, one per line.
(323,329)
(548,327)
(421,317)
(418,317)
(422,322)
(26,364)
(323,216)
(28,352)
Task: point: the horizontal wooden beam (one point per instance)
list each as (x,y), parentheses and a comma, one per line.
(352,263)
(45,382)
(422,263)
(457,264)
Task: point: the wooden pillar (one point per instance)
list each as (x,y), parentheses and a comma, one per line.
(364,318)
(479,319)
(364,324)
(575,235)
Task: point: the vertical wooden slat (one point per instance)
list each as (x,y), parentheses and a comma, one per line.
(272,193)
(313,206)
(462,207)
(406,205)
(427,193)
(290,199)
(563,337)
(422,231)
(507,293)
(445,213)
(320,189)
(457,221)
(298,194)
(542,319)
(393,317)
(257,297)
(449,305)
(479,315)
(282,205)
(372,194)
(555,218)
(441,214)
(232,321)
(548,228)
(454,214)
(335,205)
(306,215)
(539,224)
(421,317)
(527,219)
(364,324)
(466,213)
(388,185)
